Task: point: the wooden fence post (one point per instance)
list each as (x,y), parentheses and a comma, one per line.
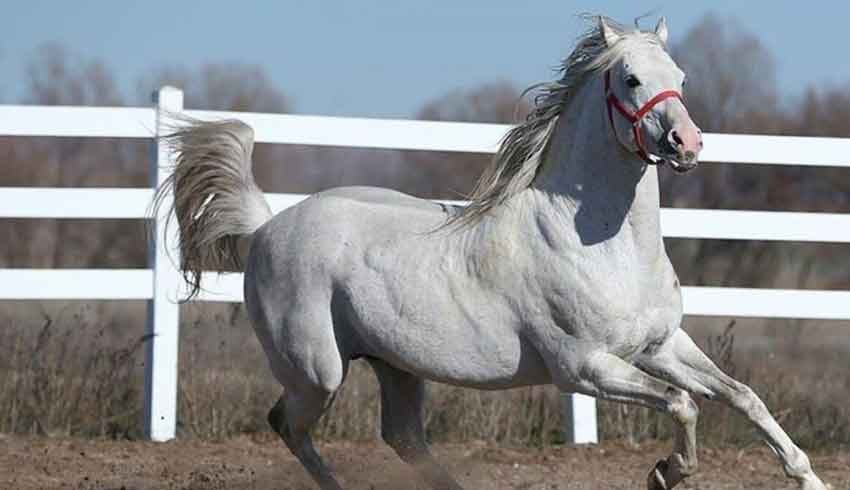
(164,309)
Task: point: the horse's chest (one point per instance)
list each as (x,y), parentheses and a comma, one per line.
(648,328)
(624,313)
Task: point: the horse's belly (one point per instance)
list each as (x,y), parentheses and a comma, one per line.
(463,358)
(436,338)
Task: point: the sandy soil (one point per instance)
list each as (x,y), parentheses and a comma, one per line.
(262,463)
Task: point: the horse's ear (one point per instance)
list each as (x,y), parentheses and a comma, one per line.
(610,35)
(661,30)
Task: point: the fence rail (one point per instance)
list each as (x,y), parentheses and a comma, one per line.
(162,287)
(118,284)
(398,134)
(716,224)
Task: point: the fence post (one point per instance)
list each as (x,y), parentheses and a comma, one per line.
(164,309)
(579,418)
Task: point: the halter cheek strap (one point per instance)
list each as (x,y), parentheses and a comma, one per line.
(635,118)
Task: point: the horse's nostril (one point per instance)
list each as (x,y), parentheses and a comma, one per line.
(674,136)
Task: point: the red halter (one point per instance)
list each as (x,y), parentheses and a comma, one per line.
(635,117)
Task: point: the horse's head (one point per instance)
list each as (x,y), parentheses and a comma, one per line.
(643,97)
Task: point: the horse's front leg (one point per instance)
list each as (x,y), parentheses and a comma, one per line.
(683,462)
(608,377)
(682,363)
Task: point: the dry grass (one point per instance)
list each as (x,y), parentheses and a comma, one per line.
(60,380)
(78,371)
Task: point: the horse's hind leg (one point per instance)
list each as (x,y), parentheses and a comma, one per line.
(402,399)
(311,369)
(292,417)
(297,335)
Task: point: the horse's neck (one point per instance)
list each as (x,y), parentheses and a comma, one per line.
(588,176)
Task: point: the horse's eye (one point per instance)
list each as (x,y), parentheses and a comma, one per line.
(684,81)
(632,81)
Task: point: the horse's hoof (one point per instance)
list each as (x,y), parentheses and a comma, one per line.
(656,480)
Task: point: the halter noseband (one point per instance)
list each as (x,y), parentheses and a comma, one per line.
(635,118)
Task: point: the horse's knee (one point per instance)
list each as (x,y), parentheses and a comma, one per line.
(797,465)
(683,408)
(406,444)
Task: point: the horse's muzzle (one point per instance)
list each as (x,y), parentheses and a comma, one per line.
(682,153)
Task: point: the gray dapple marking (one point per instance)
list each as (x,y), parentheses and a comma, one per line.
(556,273)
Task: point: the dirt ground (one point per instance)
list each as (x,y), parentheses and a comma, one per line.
(261,463)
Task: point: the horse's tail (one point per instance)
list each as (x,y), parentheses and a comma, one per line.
(216,200)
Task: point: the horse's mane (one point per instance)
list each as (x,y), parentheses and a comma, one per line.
(523,149)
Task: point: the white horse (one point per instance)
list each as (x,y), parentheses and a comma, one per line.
(555,273)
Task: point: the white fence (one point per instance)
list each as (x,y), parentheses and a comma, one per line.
(161,284)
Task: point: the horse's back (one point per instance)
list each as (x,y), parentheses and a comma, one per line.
(380,197)
(357,209)
(314,242)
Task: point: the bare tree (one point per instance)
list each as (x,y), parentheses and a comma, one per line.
(56,77)
(731,75)
(489,103)
(452,175)
(221,86)
(732,88)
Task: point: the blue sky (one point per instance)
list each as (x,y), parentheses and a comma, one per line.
(387,58)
